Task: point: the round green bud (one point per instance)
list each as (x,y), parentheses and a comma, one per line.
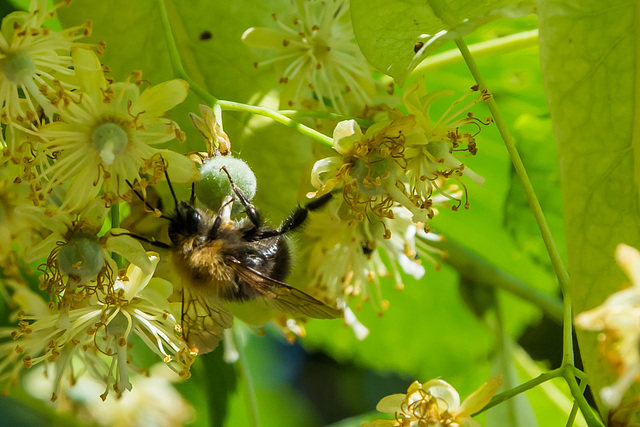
(81,257)
(374,174)
(109,140)
(439,149)
(19,68)
(214,184)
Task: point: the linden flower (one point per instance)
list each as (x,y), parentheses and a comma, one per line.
(74,254)
(345,262)
(435,403)
(316,56)
(153,401)
(14,228)
(210,127)
(100,333)
(370,168)
(105,137)
(34,61)
(432,149)
(618,319)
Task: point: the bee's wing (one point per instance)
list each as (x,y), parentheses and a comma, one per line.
(203,321)
(280,296)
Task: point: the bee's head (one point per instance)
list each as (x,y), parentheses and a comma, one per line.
(185,221)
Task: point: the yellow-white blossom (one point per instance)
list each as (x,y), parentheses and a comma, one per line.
(35,62)
(435,403)
(618,320)
(106,136)
(400,160)
(316,57)
(99,332)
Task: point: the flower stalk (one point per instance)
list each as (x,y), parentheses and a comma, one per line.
(567,370)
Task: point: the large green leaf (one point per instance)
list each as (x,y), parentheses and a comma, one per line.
(391,32)
(589,53)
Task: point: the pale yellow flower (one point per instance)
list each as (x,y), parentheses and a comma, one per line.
(14,228)
(369,168)
(434,148)
(400,160)
(34,62)
(618,319)
(99,333)
(153,401)
(74,254)
(316,56)
(106,136)
(345,262)
(435,403)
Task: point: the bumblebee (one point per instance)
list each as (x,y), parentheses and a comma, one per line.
(221,260)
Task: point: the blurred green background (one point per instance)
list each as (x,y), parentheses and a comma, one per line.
(449,324)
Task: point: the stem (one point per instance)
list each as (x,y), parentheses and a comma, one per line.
(575,407)
(472,266)
(246,374)
(325,115)
(278,117)
(499,398)
(115,223)
(176,62)
(179,71)
(578,394)
(490,47)
(556,261)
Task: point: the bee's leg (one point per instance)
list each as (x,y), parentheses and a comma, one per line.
(250,210)
(296,218)
(149,240)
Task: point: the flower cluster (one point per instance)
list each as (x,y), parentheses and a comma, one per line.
(402,159)
(98,330)
(618,320)
(393,177)
(317,60)
(34,62)
(435,403)
(73,141)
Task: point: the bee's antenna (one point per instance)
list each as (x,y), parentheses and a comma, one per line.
(175,199)
(151,208)
(192,199)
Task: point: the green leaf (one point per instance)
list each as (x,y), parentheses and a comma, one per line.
(589,53)
(395,36)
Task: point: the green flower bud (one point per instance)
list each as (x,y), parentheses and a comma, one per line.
(214,185)
(81,257)
(373,174)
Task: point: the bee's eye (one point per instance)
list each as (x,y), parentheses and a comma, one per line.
(187,221)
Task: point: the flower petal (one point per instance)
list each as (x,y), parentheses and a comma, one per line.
(391,404)
(327,166)
(129,248)
(479,398)
(160,98)
(265,38)
(137,278)
(180,168)
(89,72)
(629,259)
(443,390)
(345,135)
